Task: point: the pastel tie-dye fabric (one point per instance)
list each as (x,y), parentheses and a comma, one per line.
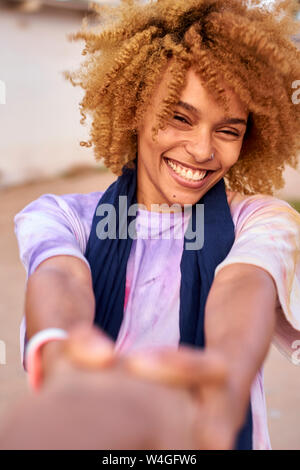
(267,234)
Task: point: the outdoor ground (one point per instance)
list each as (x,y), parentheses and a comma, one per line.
(282,378)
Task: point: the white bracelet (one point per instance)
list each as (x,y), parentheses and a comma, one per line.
(32,356)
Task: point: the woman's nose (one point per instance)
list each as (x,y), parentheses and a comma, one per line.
(200,148)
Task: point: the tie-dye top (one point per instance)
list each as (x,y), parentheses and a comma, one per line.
(267,234)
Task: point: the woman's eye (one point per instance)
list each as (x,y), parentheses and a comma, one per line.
(231,133)
(180,118)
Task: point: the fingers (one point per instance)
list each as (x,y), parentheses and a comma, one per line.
(88,346)
(183,367)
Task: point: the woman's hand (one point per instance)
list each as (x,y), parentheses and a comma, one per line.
(221,410)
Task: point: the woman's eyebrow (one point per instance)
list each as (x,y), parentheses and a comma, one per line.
(190,107)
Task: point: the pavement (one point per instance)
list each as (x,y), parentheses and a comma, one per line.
(282,378)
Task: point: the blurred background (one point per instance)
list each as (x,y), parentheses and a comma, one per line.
(40,153)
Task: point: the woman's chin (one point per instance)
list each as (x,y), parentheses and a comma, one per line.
(182,198)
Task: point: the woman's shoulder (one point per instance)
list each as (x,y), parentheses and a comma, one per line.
(262,209)
(53,214)
(78,201)
(54,225)
(81,204)
(239,201)
(84,204)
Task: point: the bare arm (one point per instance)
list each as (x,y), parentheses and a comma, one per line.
(240,320)
(239,324)
(59,294)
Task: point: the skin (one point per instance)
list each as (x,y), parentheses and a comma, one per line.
(85,409)
(196,130)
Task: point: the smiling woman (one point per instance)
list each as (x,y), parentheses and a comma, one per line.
(191,104)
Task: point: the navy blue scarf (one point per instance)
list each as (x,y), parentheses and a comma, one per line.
(108,261)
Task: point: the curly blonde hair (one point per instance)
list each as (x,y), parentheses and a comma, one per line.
(237,42)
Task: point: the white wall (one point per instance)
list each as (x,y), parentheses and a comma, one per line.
(39,124)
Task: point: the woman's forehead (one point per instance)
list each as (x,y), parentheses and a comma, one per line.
(197,95)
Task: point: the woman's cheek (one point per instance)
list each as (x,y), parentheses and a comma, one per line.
(231,158)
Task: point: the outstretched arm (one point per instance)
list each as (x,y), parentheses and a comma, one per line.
(239,324)
(240,321)
(59,294)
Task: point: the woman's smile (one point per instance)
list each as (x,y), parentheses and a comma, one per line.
(185,175)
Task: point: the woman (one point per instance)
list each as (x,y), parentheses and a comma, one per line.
(184,97)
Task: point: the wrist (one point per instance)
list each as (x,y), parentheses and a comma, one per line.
(240,395)
(42,347)
(241,368)
(237,384)
(49,354)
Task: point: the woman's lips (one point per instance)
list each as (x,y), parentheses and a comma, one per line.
(184,182)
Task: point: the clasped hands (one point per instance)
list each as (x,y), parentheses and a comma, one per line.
(204,374)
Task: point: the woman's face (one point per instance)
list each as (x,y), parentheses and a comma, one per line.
(176,168)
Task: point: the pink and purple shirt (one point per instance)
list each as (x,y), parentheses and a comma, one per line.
(267,234)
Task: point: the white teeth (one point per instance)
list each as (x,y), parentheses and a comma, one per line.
(188,174)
